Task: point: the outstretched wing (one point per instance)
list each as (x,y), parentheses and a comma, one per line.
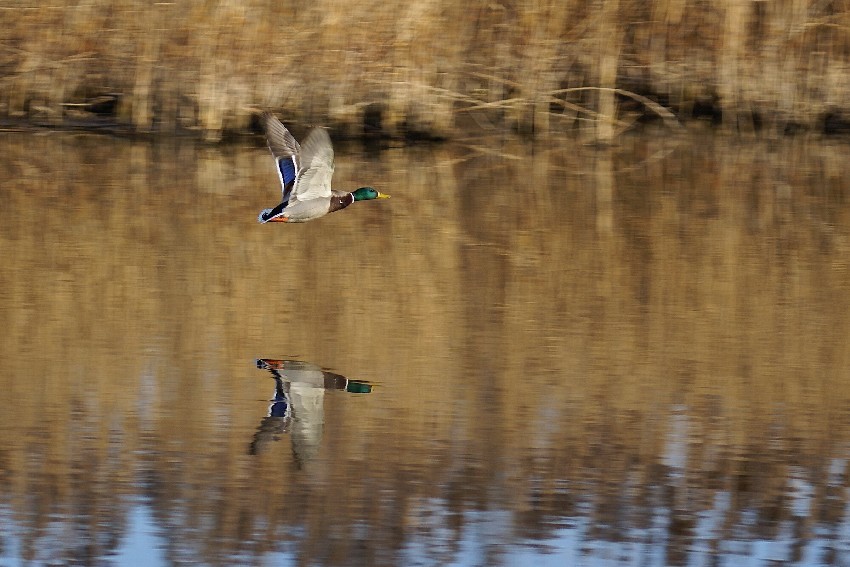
(315,168)
(286,151)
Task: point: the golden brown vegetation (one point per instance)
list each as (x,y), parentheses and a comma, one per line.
(433,67)
(651,336)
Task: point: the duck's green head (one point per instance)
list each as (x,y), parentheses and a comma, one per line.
(367,194)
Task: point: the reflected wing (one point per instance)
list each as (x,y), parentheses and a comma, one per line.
(285,150)
(316,160)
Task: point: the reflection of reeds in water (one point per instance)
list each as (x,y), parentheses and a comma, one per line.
(627,325)
(427,66)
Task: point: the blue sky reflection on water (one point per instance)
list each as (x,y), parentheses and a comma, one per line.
(482,544)
(142,546)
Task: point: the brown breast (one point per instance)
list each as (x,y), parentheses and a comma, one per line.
(340,201)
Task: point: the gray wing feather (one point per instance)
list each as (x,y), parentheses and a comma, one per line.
(281,142)
(283,146)
(316,167)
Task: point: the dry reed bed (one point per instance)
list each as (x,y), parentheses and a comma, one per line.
(430,67)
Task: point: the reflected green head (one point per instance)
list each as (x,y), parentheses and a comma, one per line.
(367,194)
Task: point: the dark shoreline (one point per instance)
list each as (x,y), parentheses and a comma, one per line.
(831,124)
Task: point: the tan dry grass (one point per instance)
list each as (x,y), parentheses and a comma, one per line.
(208,65)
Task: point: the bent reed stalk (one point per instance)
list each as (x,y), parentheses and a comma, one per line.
(433,68)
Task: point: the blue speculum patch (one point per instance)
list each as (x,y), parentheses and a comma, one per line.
(287,170)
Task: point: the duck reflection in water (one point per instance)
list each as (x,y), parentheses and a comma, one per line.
(298,406)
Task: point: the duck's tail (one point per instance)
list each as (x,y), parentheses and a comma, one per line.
(268,214)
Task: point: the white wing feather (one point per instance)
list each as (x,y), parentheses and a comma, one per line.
(317,167)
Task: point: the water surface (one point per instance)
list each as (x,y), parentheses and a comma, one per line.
(575,356)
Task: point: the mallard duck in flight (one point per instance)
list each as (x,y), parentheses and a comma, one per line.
(305,176)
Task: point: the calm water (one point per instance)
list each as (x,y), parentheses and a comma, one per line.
(534,356)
